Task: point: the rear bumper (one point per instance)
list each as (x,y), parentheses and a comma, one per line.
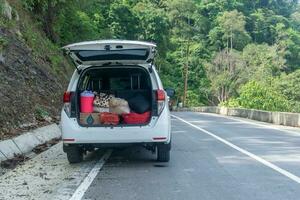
(157,131)
(67,146)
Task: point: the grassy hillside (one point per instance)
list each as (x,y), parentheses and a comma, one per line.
(32,72)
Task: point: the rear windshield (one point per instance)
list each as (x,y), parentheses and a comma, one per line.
(113,79)
(128,54)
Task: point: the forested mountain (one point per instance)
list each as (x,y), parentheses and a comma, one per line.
(236,53)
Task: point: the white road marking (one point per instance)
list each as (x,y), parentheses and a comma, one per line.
(253,156)
(259,123)
(178,131)
(78,194)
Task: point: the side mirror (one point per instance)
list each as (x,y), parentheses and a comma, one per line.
(170,92)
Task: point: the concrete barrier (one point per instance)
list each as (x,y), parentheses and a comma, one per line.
(26,142)
(279,118)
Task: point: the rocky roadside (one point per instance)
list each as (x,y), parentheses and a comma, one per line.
(46,176)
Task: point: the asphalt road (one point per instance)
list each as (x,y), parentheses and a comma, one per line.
(203,167)
(212,158)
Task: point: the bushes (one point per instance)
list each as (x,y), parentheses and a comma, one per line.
(289,85)
(75,26)
(255,95)
(193,99)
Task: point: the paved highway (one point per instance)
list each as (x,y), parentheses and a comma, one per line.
(213,157)
(203,167)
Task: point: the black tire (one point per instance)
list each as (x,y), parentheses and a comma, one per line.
(163,153)
(74,154)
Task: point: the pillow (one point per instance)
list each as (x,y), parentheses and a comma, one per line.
(102,100)
(119,110)
(117,102)
(139,104)
(118,106)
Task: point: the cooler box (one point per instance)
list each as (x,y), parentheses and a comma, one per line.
(107,118)
(86,102)
(135,118)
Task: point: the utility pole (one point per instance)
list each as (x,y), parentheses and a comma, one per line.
(186,72)
(186,68)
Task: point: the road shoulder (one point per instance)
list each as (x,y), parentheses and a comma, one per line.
(47,175)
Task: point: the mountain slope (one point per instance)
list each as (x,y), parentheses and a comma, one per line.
(32,72)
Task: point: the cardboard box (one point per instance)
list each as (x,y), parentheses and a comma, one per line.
(89,118)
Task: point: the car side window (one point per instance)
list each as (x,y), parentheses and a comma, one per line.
(85,83)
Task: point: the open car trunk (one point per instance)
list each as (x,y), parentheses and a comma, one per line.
(110,51)
(129,85)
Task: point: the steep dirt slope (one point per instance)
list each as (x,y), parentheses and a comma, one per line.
(32,73)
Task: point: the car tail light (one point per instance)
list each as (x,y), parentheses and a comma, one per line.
(160,96)
(67,102)
(67,97)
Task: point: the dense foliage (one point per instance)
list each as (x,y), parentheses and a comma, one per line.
(256,95)
(238,52)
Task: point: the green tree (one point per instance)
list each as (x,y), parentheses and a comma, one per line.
(223,73)
(232,25)
(280,7)
(76,26)
(153,22)
(261,62)
(295,20)
(288,42)
(207,50)
(262,25)
(182,15)
(288,84)
(123,23)
(255,95)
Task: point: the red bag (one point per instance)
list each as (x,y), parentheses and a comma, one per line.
(135,118)
(107,118)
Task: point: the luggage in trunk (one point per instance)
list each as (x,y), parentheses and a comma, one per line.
(107,118)
(119,91)
(135,118)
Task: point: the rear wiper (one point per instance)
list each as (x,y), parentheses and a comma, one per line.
(110,63)
(105,64)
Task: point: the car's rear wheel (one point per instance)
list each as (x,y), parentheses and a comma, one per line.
(74,154)
(163,153)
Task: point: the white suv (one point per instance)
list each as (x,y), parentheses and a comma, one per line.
(125,69)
